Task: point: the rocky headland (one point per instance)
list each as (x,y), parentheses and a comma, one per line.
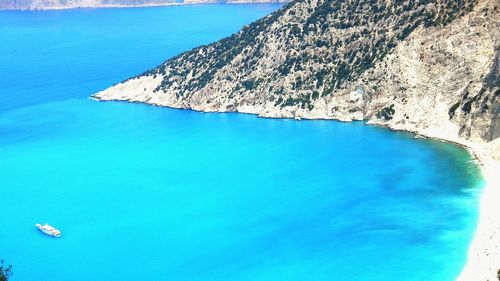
(427,67)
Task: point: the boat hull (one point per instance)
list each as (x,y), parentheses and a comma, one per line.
(47,232)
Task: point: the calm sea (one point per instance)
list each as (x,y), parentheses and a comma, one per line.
(147,193)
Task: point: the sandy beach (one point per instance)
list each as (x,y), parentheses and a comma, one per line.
(483,262)
(483,258)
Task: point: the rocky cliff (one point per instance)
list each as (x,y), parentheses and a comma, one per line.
(430,67)
(69,4)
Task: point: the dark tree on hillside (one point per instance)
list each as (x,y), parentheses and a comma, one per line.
(5,271)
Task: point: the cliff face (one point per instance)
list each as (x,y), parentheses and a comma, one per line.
(69,4)
(430,67)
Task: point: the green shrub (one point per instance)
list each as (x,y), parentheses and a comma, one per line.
(386,113)
(5,271)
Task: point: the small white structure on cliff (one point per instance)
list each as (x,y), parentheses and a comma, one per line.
(357,94)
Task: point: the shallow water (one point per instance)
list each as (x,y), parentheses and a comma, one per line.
(148,193)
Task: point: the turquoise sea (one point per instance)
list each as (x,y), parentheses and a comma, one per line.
(147,193)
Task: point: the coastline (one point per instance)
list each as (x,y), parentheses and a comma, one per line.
(484,251)
(433,64)
(483,256)
(153,5)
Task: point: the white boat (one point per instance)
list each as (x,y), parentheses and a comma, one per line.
(49,230)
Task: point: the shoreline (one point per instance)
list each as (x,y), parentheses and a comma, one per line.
(483,255)
(483,258)
(136,6)
(93,7)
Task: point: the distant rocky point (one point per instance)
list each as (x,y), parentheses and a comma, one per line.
(70,4)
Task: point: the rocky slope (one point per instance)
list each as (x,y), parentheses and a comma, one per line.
(430,67)
(69,4)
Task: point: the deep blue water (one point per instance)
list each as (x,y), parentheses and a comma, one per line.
(148,193)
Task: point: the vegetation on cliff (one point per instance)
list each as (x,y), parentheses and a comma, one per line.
(5,271)
(320,45)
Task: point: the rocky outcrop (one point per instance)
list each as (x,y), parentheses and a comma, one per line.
(70,4)
(430,67)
